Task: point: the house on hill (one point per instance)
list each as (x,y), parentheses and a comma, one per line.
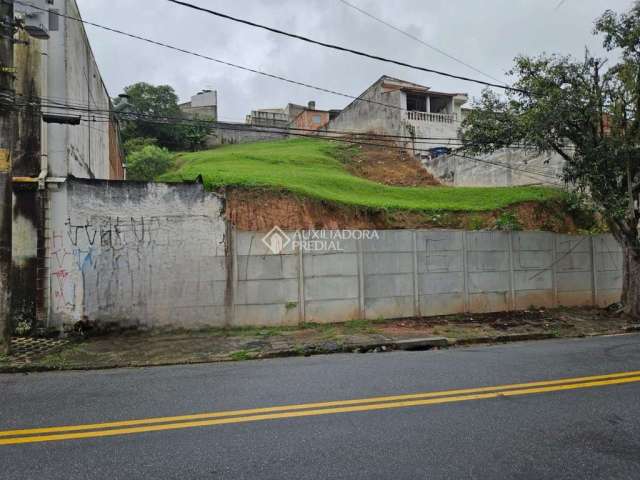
(312,118)
(204,104)
(396,107)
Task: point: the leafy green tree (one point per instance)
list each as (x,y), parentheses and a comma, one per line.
(152,113)
(589,115)
(148,162)
(195,131)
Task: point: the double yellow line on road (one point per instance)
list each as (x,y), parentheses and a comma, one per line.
(127,427)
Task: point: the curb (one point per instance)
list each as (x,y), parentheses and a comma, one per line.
(512,337)
(412,344)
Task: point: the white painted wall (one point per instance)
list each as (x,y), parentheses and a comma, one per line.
(137,253)
(73,78)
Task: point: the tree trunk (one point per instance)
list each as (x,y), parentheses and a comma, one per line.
(631,282)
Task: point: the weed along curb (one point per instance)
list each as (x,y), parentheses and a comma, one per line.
(408,345)
(137,349)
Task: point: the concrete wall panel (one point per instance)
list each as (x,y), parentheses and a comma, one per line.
(441,304)
(389,241)
(435,283)
(398,285)
(533,280)
(533,298)
(488,241)
(532,241)
(575,299)
(436,240)
(326,265)
(263,292)
(386,263)
(331,288)
(332,311)
(389,307)
(488,282)
(574,281)
(265,315)
(487,261)
(609,280)
(440,261)
(488,302)
(274,267)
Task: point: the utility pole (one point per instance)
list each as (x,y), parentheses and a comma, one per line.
(7,132)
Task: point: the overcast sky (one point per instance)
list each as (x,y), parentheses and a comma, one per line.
(486,34)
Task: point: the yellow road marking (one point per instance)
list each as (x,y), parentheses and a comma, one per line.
(311,409)
(202,416)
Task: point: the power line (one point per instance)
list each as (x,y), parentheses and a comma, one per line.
(212,59)
(417,39)
(343,49)
(357,141)
(105,113)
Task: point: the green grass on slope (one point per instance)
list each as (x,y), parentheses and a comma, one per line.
(310,167)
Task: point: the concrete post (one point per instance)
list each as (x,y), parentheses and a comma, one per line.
(361,308)
(512,288)
(594,272)
(302,317)
(465,271)
(554,269)
(7,134)
(416,278)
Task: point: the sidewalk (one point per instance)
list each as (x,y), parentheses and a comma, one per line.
(158,347)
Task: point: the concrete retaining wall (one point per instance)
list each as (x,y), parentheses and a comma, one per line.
(233,133)
(503,168)
(162,255)
(424,273)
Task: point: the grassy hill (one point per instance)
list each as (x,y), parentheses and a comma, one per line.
(314,168)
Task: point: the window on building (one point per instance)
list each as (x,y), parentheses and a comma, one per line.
(316,119)
(416,103)
(54,25)
(440,104)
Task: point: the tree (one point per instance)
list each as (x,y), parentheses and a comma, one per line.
(195,131)
(587,114)
(137,143)
(148,162)
(153,102)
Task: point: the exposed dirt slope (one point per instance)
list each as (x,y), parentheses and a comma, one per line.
(389,166)
(261,210)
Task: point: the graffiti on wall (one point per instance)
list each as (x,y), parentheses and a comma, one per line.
(101,253)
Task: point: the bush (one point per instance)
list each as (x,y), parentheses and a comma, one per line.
(138,143)
(148,162)
(508,221)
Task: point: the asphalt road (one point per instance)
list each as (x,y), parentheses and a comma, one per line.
(551,431)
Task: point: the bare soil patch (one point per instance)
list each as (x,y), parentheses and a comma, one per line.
(389,166)
(261,210)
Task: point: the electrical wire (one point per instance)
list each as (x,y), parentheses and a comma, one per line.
(212,59)
(417,39)
(444,141)
(363,142)
(343,49)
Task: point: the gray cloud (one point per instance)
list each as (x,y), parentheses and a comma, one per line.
(486,34)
